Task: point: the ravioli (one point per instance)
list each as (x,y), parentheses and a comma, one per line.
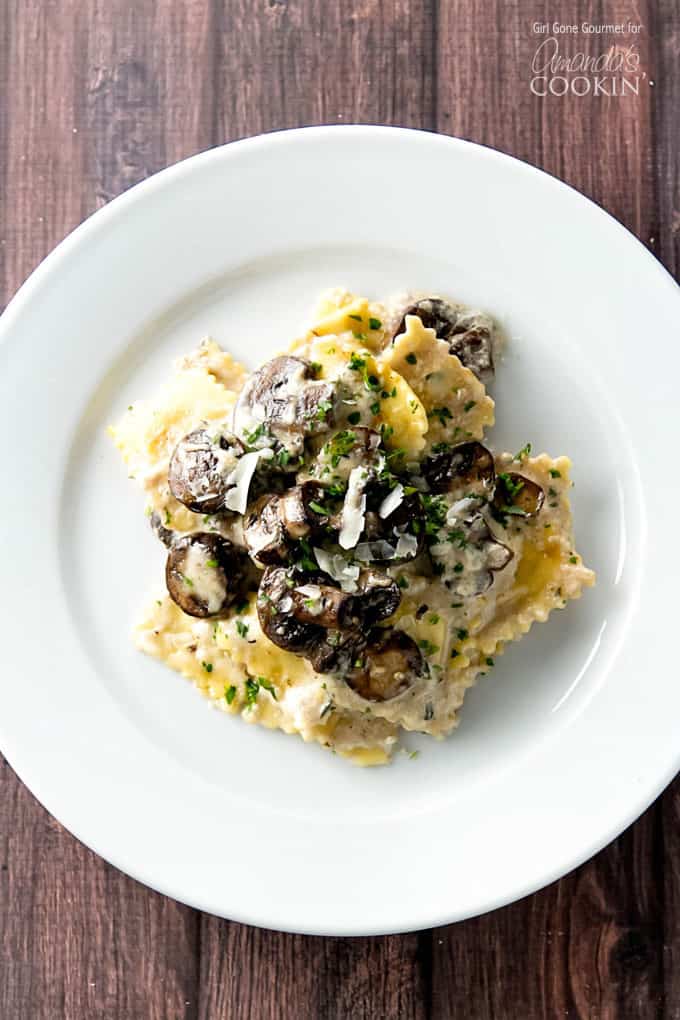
(420,400)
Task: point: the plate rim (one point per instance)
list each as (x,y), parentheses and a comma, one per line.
(121,205)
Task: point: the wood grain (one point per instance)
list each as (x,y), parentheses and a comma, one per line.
(101,96)
(97,96)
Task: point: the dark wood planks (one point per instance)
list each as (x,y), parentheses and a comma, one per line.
(592,945)
(291,63)
(98,97)
(264,974)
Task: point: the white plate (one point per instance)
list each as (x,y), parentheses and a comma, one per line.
(576,730)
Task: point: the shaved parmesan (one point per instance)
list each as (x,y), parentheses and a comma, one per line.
(240,478)
(354,508)
(378,550)
(391,501)
(339,568)
(407,546)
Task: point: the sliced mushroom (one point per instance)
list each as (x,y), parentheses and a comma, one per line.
(273,522)
(275,611)
(379,598)
(467,334)
(204,573)
(391,663)
(396,537)
(517,495)
(434,314)
(282,404)
(164,534)
(264,533)
(466,555)
(308,615)
(201,466)
(466,470)
(474,350)
(303,511)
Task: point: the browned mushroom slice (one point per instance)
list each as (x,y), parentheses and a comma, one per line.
(204,573)
(467,334)
(379,597)
(434,314)
(389,666)
(201,466)
(517,495)
(394,532)
(466,556)
(160,531)
(275,611)
(280,405)
(303,511)
(263,532)
(466,470)
(474,350)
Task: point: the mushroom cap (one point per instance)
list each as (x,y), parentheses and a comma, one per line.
(281,404)
(391,664)
(200,468)
(467,334)
(263,532)
(204,573)
(275,521)
(396,537)
(517,495)
(275,611)
(465,470)
(434,314)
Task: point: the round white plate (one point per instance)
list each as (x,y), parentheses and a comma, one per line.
(576,729)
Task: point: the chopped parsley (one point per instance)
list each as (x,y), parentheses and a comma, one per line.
(511,487)
(489,662)
(356,363)
(357,318)
(375,407)
(340,446)
(318,509)
(402,581)
(207,666)
(470,404)
(573,559)
(283,457)
(241,628)
(523,453)
(458,569)
(187,580)
(316,367)
(411,358)
(323,409)
(442,413)
(554,473)
(434,618)
(374,323)
(253,436)
(462,634)
(211,563)
(354,418)
(427,647)
(230,693)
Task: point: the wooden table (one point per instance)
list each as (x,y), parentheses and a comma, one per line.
(98,94)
